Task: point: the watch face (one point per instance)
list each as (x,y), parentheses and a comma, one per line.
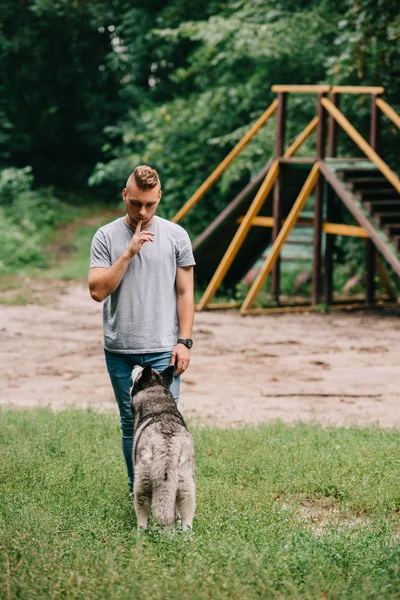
(189,343)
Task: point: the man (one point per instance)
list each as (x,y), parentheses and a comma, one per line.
(142,267)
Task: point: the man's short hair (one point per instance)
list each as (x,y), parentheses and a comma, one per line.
(145,178)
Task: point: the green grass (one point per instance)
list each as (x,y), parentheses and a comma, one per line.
(283,512)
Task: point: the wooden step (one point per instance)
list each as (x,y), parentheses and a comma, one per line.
(357,183)
(392,229)
(386,191)
(383,204)
(296,259)
(298,241)
(347,172)
(384,217)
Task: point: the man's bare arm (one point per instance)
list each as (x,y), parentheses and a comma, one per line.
(185,292)
(102,281)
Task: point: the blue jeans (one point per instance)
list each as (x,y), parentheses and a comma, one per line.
(119,368)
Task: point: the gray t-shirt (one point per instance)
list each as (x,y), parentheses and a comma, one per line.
(141,315)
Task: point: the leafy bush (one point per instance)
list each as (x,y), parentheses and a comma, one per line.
(27,218)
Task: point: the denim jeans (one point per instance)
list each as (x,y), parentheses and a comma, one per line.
(119,368)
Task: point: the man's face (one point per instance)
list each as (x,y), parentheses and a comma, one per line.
(141,204)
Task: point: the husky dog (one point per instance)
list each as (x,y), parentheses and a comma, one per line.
(163,451)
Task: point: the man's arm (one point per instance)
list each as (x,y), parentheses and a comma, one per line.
(104,281)
(185,296)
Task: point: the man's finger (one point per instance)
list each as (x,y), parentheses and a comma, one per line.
(138,226)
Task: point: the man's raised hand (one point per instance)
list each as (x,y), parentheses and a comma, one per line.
(138,239)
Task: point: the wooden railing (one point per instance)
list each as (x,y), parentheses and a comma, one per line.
(216,174)
(361,143)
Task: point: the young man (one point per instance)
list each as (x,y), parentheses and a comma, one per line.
(142,267)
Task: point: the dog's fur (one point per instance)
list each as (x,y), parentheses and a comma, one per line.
(163,451)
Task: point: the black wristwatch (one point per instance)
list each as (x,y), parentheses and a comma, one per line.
(186,342)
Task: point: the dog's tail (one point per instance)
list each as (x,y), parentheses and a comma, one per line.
(164,477)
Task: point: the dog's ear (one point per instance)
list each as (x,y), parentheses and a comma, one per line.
(146,373)
(168,375)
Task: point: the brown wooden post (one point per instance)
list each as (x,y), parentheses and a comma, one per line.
(333,128)
(319,193)
(375,124)
(371,251)
(331,209)
(277,207)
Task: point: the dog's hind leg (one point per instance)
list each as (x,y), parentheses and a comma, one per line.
(186,502)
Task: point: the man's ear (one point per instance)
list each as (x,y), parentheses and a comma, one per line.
(168,375)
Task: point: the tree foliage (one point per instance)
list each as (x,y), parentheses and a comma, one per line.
(90,89)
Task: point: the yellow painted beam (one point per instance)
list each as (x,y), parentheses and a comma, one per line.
(223,305)
(389,111)
(346,230)
(216,174)
(307,131)
(361,143)
(282,236)
(259,221)
(239,236)
(302,89)
(357,89)
(331,228)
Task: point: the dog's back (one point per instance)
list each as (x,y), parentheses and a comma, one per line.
(163,455)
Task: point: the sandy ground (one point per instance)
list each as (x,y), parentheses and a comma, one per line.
(337,368)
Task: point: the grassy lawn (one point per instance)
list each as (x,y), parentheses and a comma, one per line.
(283,512)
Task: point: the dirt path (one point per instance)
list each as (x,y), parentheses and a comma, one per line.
(337,368)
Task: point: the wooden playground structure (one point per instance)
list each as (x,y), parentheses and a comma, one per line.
(367,187)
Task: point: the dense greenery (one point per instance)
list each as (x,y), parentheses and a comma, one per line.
(283,512)
(173,84)
(90,89)
(27,218)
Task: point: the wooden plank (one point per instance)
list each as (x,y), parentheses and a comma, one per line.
(277,197)
(362,220)
(298,160)
(318,201)
(283,234)
(388,111)
(361,143)
(339,306)
(357,89)
(280,124)
(223,305)
(375,122)
(259,221)
(371,264)
(302,89)
(331,213)
(239,236)
(250,187)
(332,128)
(193,200)
(345,230)
(331,228)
